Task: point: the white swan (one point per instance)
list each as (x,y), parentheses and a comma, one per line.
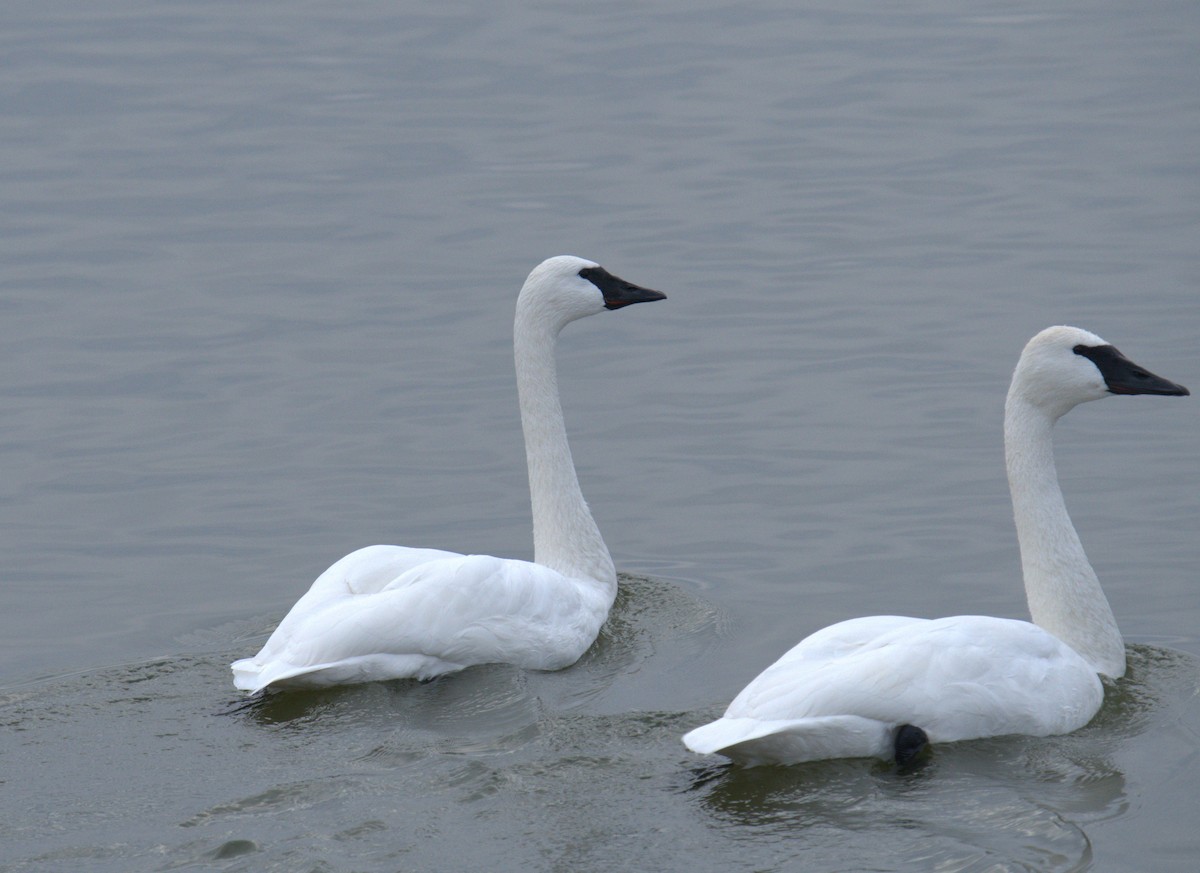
(886,686)
(390,612)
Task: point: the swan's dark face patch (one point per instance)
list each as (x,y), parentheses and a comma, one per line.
(617,292)
(1123,376)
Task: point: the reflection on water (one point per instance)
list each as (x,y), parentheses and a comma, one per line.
(1155,678)
(654,621)
(481,710)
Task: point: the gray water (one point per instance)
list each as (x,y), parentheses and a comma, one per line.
(257,273)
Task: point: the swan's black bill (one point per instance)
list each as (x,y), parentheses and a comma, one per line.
(1123,376)
(617,292)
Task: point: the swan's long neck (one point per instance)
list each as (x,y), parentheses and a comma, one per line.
(565,536)
(1063,592)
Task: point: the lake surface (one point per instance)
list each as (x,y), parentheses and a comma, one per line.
(258,271)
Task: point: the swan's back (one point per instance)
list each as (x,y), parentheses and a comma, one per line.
(844,690)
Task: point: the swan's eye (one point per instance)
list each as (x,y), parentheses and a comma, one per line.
(1104,357)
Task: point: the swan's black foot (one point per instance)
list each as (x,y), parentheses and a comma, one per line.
(911,742)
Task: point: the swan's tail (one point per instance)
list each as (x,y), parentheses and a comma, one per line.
(248,675)
(751,742)
(251,675)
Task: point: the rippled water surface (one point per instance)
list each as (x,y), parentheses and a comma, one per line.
(257,272)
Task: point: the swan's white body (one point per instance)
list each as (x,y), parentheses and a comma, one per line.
(390,612)
(845,690)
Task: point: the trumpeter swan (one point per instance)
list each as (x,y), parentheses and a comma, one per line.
(887,685)
(390,612)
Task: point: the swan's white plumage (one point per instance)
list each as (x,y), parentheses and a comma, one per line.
(385,612)
(390,612)
(845,690)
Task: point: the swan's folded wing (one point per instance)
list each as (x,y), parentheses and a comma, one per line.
(847,637)
(363,571)
(373,568)
(956,678)
(468,609)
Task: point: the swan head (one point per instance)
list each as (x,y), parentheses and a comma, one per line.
(1064,366)
(564,288)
